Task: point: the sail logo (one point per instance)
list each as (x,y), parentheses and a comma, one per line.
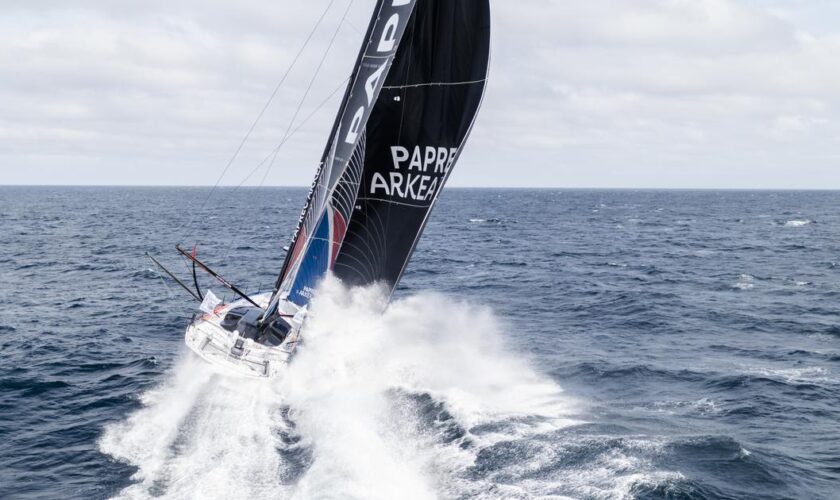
(417,174)
(424,157)
(387,43)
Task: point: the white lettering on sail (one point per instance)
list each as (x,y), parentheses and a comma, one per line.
(387,43)
(370,90)
(399,154)
(372,81)
(355,123)
(421,189)
(431,154)
(377,182)
(441,159)
(409,188)
(432,187)
(423,157)
(418,187)
(424,168)
(396,184)
(415,159)
(389,34)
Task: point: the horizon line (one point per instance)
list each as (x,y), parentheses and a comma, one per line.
(301,186)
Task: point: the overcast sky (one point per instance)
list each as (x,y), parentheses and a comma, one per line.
(602,93)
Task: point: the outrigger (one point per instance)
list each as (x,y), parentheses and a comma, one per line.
(236,336)
(407,111)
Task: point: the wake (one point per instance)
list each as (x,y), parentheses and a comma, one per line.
(373,406)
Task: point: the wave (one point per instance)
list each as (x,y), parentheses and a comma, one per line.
(798,222)
(745,282)
(571,465)
(702,406)
(816,375)
(200,434)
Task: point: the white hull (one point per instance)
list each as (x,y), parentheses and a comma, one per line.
(215,344)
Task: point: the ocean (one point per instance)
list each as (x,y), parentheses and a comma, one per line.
(553,343)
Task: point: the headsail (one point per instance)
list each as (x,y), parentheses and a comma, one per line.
(323,222)
(415,134)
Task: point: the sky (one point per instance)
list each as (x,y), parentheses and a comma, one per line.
(602,93)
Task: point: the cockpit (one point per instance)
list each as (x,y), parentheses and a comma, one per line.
(246,320)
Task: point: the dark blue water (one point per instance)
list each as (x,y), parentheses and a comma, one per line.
(581,344)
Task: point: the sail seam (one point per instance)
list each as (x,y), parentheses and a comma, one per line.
(391,201)
(431,84)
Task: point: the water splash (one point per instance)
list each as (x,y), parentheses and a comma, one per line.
(342,386)
(745,282)
(202,435)
(382,405)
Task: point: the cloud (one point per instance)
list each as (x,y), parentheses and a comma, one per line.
(633,93)
(663,93)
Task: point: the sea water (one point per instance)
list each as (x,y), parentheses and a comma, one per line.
(543,344)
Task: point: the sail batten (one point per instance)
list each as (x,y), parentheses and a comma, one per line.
(433,84)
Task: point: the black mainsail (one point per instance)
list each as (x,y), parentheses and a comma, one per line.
(414,94)
(414,135)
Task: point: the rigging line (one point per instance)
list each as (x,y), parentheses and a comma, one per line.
(174,278)
(302,100)
(184,263)
(172,295)
(312,197)
(230,286)
(267,170)
(289,132)
(273,153)
(312,80)
(357,30)
(434,84)
(277,148)
(261,113)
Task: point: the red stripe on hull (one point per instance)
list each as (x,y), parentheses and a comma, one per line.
(298,246)
(339,228)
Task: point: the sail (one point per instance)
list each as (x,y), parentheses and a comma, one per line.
(415,134)
(328,207)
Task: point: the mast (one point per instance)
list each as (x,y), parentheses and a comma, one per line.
(323,221)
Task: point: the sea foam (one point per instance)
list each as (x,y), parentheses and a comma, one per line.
(797,223)
(348,405)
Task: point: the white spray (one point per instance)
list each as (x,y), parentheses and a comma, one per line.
(348,391)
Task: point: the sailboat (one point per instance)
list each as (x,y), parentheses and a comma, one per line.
(408,109)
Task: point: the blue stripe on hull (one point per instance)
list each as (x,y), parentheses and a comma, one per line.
(314,264)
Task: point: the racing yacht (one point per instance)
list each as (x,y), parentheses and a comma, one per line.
(408,109)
